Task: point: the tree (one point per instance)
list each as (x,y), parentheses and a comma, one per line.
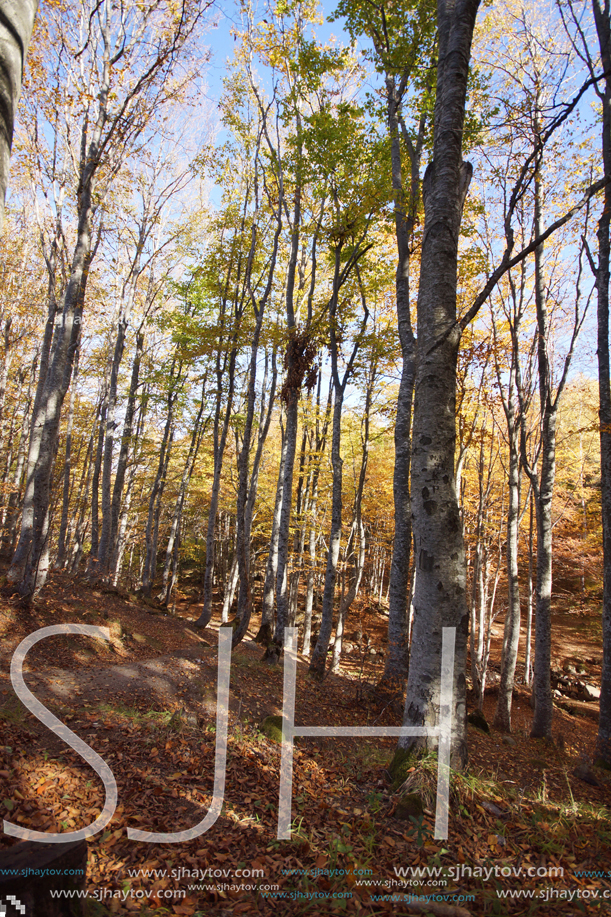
(603,31)
(337,142)
(439,592)
(403,39)
(530,107)
(601,269)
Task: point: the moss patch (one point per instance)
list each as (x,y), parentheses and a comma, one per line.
(400,765)
(272,728)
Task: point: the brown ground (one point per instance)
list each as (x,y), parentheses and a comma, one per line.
(146,703)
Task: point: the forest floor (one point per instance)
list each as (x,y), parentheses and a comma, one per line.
(527,817)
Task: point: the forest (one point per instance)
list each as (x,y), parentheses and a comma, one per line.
(304,323)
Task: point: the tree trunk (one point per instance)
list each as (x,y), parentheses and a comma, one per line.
(103,547)
(320,443)
(92,565)
(542,720)
(355,550)
(511,639)
(271,569)
(396,664)
(154,510)
(172,546)
(246,493)
(439,592)
(285,514)
(529,609)
(29,571)
(355,555)
(230,589)
(108,552)
(603,29)
(309,601)
(319,656)
(9,537)
(543,492)
(63,527)
(220,439)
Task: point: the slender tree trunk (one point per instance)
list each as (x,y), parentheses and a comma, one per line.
(356,555)
(6,362)
(356,548)
(320,443)
(92,565)
(529,610)
(12,518)
(396,663)
(543,493)
(246,493)
(29,571)
(285,515)
(230,589)
(172,548)
(63,527)
(309,600)
(319,656)
(220,440)
(80,521)
(476,636)
(110,423)
(108,552)
(511,638)
(121,541)
(155,500)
